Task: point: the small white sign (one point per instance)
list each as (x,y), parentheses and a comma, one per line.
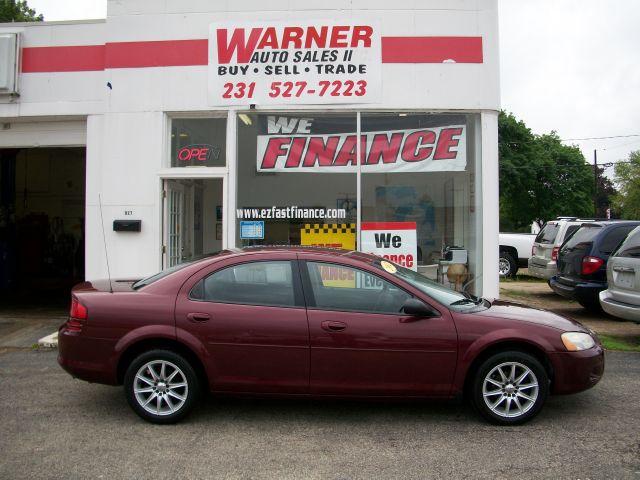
(270,63)
(395,241)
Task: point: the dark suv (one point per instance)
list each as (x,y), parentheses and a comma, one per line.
(582,261)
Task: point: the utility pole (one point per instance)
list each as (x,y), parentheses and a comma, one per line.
(595,183)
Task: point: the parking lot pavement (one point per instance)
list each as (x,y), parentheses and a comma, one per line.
(56,427)
(22,327)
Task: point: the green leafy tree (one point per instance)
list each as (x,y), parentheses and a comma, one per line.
(605,194)
(18,11)
(627,177)
(540,178)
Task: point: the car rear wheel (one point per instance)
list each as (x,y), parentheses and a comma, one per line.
(161,386)
(507,266)
(510,388)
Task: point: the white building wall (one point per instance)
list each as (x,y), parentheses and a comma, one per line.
(127,109)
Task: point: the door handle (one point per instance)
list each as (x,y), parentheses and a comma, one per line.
(198,317)
(624,269)
(331,326)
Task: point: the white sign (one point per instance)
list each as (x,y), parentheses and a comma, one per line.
(320,62)
(434,149)
(395,241)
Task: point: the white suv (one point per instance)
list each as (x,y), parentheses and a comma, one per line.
(546,246)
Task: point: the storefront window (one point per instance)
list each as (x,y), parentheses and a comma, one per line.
(288,191)
(297,185)
(198,142)
(431,187)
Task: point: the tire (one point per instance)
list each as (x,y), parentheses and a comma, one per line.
(593,305)
(510,388)
(507,265)
(161,386)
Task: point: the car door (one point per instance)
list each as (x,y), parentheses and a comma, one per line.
(361,344)
(251,319)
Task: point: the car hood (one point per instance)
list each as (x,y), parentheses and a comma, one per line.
(517,312)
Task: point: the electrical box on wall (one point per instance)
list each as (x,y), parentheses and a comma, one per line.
(9,62)
(127,225)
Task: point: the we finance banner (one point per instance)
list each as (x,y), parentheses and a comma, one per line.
(294,62)
(303,145)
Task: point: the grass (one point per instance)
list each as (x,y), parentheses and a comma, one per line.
(614,343)
(522,278)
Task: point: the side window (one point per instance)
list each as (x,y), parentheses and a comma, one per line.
(254,283)
(631,246)
(342,288)
(613,239)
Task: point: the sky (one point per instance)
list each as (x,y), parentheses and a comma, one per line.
(570,66)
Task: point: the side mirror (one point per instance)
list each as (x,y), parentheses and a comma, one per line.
(417,308)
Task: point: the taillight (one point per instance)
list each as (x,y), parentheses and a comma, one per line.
(77,315)
(591,265)
(554,253)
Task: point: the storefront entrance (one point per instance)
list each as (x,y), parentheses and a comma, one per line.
(193,219)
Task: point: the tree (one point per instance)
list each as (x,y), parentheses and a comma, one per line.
(605,194)
(18,11)
(540,178)
(627,176)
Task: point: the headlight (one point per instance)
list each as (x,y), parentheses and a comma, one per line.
(576,341)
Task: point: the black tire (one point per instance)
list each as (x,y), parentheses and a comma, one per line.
(507,265)
(510,388)
(593,305)
(161,386)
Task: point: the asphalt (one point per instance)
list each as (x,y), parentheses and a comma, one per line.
(27,326)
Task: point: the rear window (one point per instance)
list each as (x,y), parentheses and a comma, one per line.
(630,248)
(583,235)
(548,233)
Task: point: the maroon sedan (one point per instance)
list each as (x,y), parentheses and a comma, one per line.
(318,322)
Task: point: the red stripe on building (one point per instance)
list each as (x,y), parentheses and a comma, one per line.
(63,59)
(431,49)
(174,53)
(388,226)
(169,53)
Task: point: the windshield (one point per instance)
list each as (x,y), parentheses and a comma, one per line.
(457,301)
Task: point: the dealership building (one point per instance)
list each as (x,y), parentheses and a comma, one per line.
(173,129)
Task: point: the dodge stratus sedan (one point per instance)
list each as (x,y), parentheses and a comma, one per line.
(318,323)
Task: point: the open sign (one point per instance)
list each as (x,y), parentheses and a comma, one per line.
(201,153)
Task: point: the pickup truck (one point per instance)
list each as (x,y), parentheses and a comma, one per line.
(515,251)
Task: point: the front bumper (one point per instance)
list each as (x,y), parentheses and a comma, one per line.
(577,371)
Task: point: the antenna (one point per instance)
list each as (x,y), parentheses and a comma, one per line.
(104,238)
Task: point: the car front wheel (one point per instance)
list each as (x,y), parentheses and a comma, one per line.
(507,265)
(510,388)
(161,386)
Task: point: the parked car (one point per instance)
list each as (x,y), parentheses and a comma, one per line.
(318,322)
(546,246)
(622,297)
(582,261)
(515,251)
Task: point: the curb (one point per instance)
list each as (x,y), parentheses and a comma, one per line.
(50,341)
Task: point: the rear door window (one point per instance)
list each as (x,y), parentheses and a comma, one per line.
(582,238)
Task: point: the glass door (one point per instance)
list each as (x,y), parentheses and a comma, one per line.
(193,216)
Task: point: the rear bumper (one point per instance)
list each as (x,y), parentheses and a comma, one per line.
(83,357)
(545,271)
(577,371)
(618,309)
(581,292)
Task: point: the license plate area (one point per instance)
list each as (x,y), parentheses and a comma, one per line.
(624,279)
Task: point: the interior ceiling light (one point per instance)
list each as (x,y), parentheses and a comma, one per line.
(246,119)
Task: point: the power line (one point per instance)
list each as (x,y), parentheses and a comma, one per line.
(601,138)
